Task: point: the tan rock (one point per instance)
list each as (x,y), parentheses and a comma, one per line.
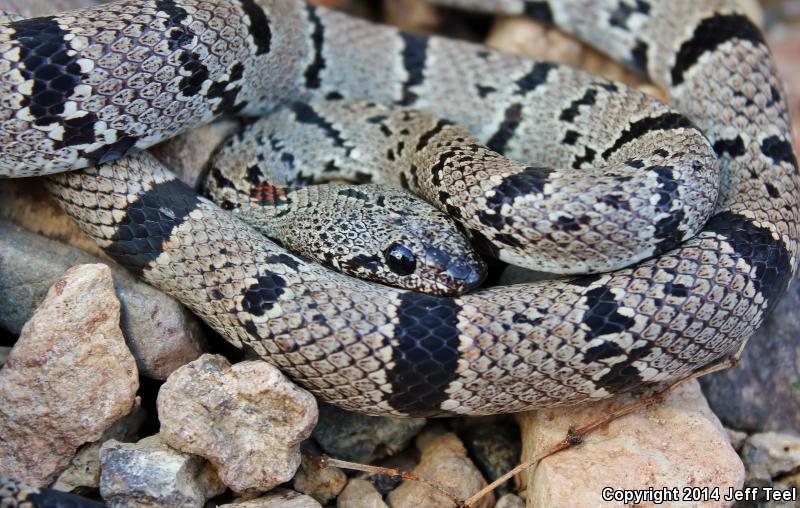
(360,494)
(187,154)
(277,498)
(150,474)
(247,419)
(26,202)
(676,443)
(411,15)
(68,377)
(444,462)
(161,333)
(323,484)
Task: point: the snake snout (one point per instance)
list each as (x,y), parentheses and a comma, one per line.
(470,276)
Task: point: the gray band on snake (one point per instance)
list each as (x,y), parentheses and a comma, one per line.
(89,87)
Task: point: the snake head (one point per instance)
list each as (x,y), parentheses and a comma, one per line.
(399,240)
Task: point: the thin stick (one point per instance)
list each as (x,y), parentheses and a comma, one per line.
(324,461)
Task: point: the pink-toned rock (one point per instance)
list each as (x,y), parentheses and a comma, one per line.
(68,377)
(246,419)
(677,443)
(444,462)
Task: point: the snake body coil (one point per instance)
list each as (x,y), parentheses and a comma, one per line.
(88,87)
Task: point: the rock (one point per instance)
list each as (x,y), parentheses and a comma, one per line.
(26,202)
(187,154)
(84,468)
(790,483)
(444,461)
(161,333)
(510,501)
(323,484)
(361,438)
(360,493)
(495,448)
(246,419)
(405,460)
(4,352)
(68,377)
(736,438)
(28,8)
(151,474)
(411,15)
(676,443)
(744,396)
(278,498)
(768,455)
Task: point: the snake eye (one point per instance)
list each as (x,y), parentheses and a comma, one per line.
(400,260)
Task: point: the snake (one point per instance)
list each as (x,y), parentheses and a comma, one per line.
(91,89)
(84,93)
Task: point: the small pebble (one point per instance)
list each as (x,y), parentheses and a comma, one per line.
(151,474)
(323,484)
(361,438)
(360,493)
(444,461)
(68,377)
(768,455)
(510,501)
(277,498)
(247,419)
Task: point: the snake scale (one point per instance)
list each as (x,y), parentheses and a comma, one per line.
(86,88)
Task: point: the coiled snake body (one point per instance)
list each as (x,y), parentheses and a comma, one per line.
(88,87)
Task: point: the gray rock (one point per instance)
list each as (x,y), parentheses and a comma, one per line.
(247,419)
(151,474)
(68,378)
(161,333)
(495,448)
(769,455)
(4,351)
(744,397)
(361,438)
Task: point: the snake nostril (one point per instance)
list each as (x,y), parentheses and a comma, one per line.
(470,276)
